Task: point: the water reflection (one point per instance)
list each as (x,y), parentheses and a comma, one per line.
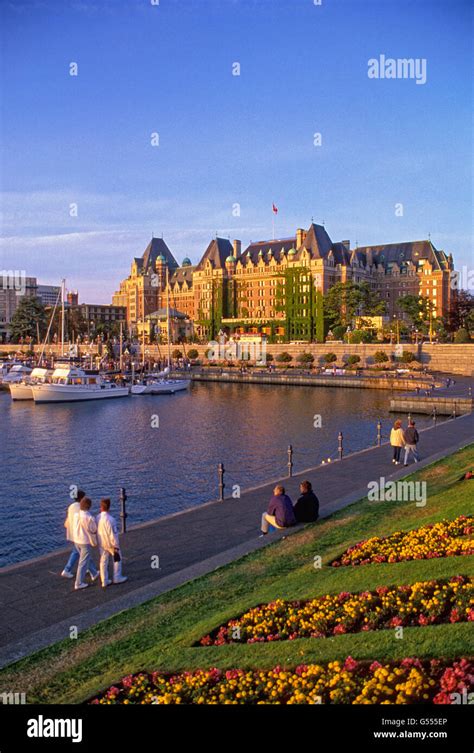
(99,447)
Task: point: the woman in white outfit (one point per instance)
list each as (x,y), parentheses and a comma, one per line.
(85,538)
(109,545)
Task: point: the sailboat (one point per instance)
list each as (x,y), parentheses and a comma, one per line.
(161,384)
(70,383)
(20,389)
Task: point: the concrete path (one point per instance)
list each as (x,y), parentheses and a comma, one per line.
(38,607)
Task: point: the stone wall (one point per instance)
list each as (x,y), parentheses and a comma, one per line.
(454,359)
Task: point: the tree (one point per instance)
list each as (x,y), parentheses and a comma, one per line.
(345,300)
(284,357)
(305,358)
(193,354)
(408,356)
(75,323)
(352,360)
(380,356)
(462,336)
(176,354)
(330,357)
(339,331)
(359,336)
(29,316)
(419,309)
(461,312)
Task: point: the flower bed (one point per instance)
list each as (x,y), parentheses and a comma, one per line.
(426,603)
(350,682)
(448,538)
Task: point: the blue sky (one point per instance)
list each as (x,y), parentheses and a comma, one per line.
(227,139)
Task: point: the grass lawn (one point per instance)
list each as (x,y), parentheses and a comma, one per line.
(160,634)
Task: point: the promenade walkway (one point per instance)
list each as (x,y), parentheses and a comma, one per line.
(38,607)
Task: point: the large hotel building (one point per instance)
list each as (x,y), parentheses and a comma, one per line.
(275,287)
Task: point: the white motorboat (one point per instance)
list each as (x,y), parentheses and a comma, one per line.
(72,384)
(160,386)
(17,373)
(22,390)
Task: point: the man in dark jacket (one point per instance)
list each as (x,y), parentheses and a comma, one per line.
(411,437)
(307,506)
(280,512)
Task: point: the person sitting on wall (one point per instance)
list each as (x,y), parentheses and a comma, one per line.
(280,513)
(307,506)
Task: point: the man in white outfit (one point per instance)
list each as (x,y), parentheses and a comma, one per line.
(85,537)
(109,545)
(74,508)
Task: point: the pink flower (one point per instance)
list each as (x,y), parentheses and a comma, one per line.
(301,668)
(344,595)
(375,665)
(449,681)
(350,664)
(442,698)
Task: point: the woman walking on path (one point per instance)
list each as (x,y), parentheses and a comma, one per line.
(85,537)
(397,441)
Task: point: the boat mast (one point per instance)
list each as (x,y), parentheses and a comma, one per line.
(143,329)
(49,328)
(168,329)
(63,291)
(121,346)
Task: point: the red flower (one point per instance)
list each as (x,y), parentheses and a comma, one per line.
(350,664)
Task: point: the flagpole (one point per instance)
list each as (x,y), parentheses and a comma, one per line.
(273,224)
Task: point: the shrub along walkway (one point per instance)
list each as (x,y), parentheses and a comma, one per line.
(38,607)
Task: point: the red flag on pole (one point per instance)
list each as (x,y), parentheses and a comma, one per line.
(275,209)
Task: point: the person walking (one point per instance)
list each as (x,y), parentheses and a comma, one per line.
(411,438)
(74,508)
(109,545)
(307,505)
(280,513)
(85,536)
(397,441)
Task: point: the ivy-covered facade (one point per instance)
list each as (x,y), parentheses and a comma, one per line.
(277,287)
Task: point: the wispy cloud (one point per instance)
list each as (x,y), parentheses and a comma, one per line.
(94,250)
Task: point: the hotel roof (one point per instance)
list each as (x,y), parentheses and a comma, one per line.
(156,247)
(217,252)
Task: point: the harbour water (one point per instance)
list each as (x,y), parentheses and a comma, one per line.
(165,450)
